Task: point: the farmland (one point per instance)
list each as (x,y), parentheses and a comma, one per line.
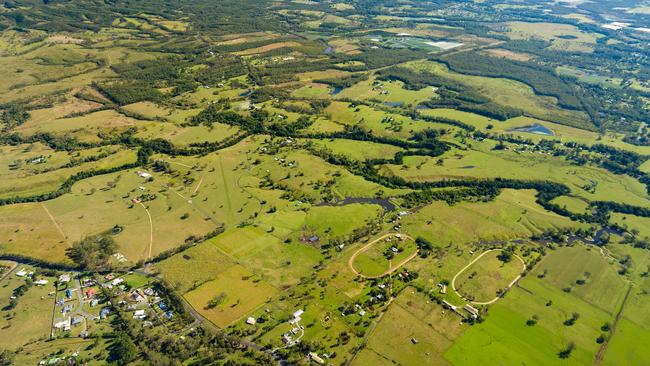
(337,183)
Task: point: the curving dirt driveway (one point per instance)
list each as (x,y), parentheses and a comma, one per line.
(367,246)
(453,281)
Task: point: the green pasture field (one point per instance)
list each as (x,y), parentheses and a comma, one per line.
(507,93)
(358,150)
(307,169)
(85,127)
(280,264)
(31,319)
(371,119)
(97,204)
(482,280)
(324,125)
(580,42)
(34,353)
(640,224)
(26,182)
(572,203)
(243,293)
(560,132)
(206,261)
(412,316)
(514,213)
(372,261)
(386,92)
(183,136)
(504,336)
(313,91)
(326,222)
(482,161)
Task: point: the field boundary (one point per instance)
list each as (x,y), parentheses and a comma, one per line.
(391,268)
(512,283)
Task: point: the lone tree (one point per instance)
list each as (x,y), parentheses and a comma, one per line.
(93,252)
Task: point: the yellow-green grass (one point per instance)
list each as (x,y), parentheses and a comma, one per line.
(85,127)
(35,158)
(628,342)
(603,287)
(484,278)
(322,74)
(645,167)
(504,336)
(27,229)
(74,80)
(560,132)
(552,32)
(313,91)
(513,214)
(365,90)
(371,119)
(483,162)
(372,262)
(31,319)
(194,266)
(323,221)
(632,223)
(412,316)
(509,93)
(307,169)
(44,230)
(359,150)
(280,264)
(572,203)
(34,353)
(21,183)
(268,48)
(243,293)
(319,319)
(187,135)
(327,126)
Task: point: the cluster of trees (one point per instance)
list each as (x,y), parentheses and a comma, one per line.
(93,252)
(13,114)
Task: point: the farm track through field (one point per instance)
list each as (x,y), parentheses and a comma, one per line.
(603,347)
(150,230)
(391,269)
(9,271)
(453,281)
(56,224)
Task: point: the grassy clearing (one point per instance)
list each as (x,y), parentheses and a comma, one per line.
(30,181)
(482,161)
(31,319)
(242,291)
(631,222)
(505,337)
(483,279)
(577,40)
(280,264)
(386,92)
(205,260)
(507,92)
(513,214)
(374,261)
(358,150)
(412,316)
